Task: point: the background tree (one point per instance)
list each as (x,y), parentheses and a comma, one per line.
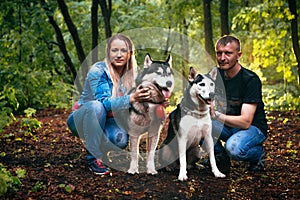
(224,17)
(76,39)
(295,38)
(95,32)
(209,45)
(61,43)
(106,8)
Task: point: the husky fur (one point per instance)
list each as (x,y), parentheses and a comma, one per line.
(158,77)
(191,121)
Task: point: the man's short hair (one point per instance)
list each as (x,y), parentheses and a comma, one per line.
(223,41)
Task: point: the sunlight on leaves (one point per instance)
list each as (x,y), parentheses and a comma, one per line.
(47,165)
(21,173)
(285,120)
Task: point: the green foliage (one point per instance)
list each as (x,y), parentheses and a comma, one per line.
(6,116)
(7,180)
(29,112)
(69,188)
(31,68)
(38,186)
(29,122)
(275,98)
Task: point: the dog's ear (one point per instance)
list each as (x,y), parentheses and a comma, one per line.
(213,73)
(192,74)
(169,60)
(148,61)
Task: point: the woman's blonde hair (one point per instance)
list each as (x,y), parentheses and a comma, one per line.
(127,78)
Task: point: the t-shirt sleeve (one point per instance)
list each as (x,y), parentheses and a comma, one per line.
(253,91)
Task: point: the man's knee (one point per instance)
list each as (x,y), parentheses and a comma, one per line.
(234,151)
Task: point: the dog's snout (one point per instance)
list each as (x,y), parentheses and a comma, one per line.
(212,95)
(169,83)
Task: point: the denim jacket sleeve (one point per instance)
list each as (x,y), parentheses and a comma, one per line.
(91,83)
(104,93)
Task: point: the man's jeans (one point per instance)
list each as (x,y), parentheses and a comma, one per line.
(99,133)
(241,145)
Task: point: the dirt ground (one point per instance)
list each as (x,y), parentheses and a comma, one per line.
(54,161)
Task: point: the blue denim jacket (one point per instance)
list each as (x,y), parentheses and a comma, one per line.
(98,86)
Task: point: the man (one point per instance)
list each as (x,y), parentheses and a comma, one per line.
(239,118)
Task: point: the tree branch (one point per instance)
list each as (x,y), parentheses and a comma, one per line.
(61,43)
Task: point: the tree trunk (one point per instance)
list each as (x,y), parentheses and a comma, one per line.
(77,42)
(20,30)
(209,46)
(95,32)
(106,13)
(61,44)
(295,38)
(185,50)
(224,17)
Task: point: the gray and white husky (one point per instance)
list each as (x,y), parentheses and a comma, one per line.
(191,122)
(149,116)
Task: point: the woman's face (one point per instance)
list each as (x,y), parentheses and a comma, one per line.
(119,53)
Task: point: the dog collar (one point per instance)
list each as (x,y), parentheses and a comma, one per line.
(192,113)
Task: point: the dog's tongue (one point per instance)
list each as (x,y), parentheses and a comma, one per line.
(166,93)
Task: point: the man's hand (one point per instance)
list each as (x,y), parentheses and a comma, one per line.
(212,110)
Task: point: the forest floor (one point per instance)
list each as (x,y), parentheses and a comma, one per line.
(54,161)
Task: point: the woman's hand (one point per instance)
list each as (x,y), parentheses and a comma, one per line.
(166,103)
(140,95)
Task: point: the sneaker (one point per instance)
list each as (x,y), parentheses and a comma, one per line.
(257,166)
(97,167)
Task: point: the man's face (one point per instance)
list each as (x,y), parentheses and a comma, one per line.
(227,56)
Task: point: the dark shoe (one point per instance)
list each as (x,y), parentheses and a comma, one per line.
(222,161)
(97,167)
(257,166)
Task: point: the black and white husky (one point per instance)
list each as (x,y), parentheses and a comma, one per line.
(191,122)
(149,117)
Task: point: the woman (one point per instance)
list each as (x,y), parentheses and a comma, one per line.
(105,93)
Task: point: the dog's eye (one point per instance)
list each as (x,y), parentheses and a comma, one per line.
(211,84)
(202,84)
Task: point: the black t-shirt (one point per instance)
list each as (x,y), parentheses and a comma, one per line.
(245,87)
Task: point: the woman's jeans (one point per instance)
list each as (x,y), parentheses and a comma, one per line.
(99,132)
(241,145)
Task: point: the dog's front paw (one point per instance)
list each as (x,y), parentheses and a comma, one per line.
(133,171)
(218,174)
(151,171)
(182,177)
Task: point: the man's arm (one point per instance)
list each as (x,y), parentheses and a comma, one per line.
(242,121)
